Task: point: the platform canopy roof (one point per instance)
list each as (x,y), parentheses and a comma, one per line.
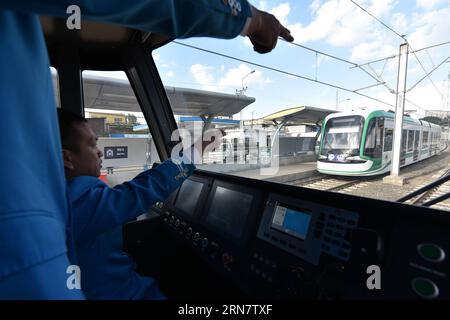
(117,94)
(299,116)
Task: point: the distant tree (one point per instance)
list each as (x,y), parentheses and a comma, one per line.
(435,120)
(131,119)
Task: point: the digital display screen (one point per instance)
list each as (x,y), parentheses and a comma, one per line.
(229,211)
(188,196)
(292,222)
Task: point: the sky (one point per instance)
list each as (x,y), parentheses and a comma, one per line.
(336,27)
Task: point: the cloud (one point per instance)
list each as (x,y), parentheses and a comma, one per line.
(156,56)
(315,5)
(399,21)
(262,5)
(246,41)
(427,97)
(203,75)
(281,12)
(430,28)
(233,77)
(366,51)
(342,24)
(170,74)
(429,4)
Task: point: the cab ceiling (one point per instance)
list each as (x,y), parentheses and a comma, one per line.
(98,43)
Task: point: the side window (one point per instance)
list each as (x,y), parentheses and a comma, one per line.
(416,140)
(371,138)
(374,140)
(379,138)
(410,140)
(404,140)
(425,140)
(116,118)
(388,137)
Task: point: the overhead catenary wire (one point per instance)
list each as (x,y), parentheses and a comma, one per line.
(396,55)
(281,71)
(427,74)
(416,105)
(333,57)
(423,78)
(384,24)
(410,47)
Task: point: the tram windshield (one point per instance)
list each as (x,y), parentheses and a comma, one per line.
(343,135)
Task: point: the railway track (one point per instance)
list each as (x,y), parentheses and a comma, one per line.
(435,193)
(325,183)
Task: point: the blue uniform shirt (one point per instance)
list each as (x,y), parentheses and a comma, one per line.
(98,214)
(33,211)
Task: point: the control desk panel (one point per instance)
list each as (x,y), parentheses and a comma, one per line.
(278,241)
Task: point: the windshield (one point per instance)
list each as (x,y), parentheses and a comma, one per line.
(257,116)
(342,135)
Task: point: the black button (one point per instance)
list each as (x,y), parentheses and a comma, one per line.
(332,217)
(317,234)
(320,225)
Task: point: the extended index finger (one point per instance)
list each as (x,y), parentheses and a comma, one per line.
(286,34)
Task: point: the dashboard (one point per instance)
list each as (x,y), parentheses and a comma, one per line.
(277,241)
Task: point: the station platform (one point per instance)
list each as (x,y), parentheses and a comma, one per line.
(284,173)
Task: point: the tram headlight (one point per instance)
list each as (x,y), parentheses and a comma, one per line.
(357,158)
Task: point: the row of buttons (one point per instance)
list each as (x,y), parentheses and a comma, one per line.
(341,220)
(210,246)
(285,244)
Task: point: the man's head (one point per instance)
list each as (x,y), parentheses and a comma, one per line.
(81,155)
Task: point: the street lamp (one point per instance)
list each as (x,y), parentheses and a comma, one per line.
(337,105)
(243,89)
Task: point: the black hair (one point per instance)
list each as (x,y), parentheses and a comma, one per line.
(67,120)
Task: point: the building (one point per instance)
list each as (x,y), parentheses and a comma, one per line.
(110,118)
